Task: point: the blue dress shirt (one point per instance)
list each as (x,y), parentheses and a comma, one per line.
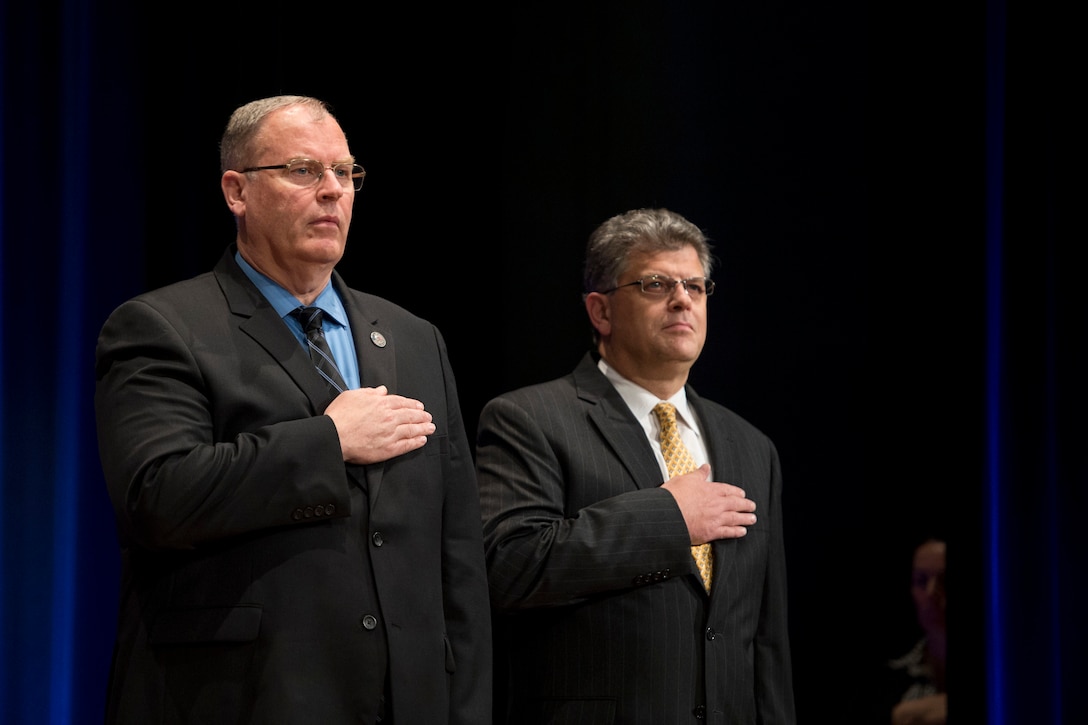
(337,330)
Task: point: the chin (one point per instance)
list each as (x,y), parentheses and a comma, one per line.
(326,250)
(686,353)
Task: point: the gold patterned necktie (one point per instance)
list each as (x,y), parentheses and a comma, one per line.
(678,460)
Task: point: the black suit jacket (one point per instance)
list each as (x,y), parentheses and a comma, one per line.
(263,580)
(600,613)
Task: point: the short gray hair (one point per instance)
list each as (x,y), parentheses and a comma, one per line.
(236,146)
(612,244)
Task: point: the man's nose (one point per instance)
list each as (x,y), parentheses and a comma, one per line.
(331,187)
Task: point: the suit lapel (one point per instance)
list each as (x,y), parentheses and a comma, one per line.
(616,424)
(722,450)
(258,319)
(376,353)
(375,346)
(721,447)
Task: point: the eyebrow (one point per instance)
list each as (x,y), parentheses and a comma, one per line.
(349,159)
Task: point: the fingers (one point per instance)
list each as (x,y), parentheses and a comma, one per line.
(394,401)
(712,510)
(375,426)
(395,448)
(416,429)
(728,523)
(702,474)
(376,401)
(377,390)
(739,502)
(737,520)
(736,515)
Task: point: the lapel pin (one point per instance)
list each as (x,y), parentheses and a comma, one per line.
(378,339)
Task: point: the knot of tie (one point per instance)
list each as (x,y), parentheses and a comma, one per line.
(311,319)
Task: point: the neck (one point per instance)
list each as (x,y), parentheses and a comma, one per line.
(304,281)
(664,380)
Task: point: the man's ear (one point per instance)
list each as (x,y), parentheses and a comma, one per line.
(233,184)
(599,309)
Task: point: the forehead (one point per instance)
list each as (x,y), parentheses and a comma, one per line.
(294,131)
(930,557)
(678,263)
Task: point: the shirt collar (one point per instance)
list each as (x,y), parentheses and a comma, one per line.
(283,301)
(641,401)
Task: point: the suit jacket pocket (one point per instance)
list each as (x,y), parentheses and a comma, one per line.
(437,445)
(197,625)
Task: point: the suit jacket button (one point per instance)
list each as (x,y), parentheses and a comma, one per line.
(710,634)
(377,538)
(700,712)
(296,514)
(370,621)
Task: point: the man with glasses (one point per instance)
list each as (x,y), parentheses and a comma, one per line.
(596,531)
(293,484)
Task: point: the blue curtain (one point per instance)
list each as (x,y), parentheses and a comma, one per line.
(102,143)
(72,247)
(1033,553)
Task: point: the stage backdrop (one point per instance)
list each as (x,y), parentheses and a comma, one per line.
(898,303)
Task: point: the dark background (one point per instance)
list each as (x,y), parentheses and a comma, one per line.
(898,302)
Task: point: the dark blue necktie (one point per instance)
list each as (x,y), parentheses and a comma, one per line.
(320,354)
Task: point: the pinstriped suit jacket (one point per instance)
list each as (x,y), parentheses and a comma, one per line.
(599,613)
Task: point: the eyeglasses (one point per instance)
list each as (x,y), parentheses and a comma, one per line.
(307,172)
(658,286)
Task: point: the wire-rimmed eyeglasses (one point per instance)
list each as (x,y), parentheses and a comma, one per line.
(661,286)
(307,172)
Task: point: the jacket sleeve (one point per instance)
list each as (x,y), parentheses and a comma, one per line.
(563,520)
(177,473)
